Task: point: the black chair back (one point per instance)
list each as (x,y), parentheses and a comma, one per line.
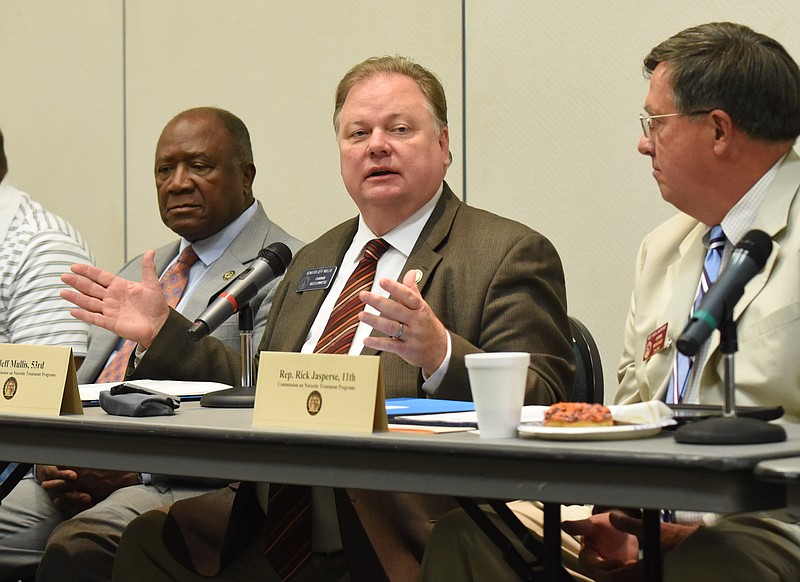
(589,372)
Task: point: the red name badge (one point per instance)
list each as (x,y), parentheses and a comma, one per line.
(656,342)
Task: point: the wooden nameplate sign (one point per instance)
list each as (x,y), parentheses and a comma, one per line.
(320,392)
(38,380)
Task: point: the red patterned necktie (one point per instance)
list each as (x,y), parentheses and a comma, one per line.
(288,525)
(288,520)
(341,327)
(173,284)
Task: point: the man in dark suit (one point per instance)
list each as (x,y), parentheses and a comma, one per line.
(454,280)
(204,175)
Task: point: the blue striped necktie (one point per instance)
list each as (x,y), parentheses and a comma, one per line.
(683,364)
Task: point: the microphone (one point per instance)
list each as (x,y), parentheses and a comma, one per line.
(748,258)
(270,264)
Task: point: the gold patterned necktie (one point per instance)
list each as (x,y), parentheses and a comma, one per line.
(173,284)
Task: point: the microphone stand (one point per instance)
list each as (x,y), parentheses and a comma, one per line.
(729,429)
(243,396)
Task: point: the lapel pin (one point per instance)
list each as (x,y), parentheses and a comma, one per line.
(228,275)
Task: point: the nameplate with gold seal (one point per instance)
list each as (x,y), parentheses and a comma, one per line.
(38,380)
(320,392)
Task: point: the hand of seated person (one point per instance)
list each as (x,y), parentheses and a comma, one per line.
(60,485)
(610,545)
(74,489)
(413,331)
(132,310)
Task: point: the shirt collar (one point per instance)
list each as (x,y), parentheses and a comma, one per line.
(740,218)
(404,236)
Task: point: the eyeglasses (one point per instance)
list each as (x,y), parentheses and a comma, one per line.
(647,120)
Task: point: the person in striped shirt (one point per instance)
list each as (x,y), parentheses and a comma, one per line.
(36,247)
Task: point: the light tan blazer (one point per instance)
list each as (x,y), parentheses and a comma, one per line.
(767,364)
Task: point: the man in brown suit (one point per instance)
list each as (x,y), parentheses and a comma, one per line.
(455,280)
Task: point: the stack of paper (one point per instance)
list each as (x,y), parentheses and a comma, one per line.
(185,391)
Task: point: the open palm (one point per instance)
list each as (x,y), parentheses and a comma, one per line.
(132,310)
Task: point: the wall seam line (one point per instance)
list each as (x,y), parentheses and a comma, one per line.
(464,99)
(124,131)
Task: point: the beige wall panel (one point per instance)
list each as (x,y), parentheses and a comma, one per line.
(553,93)
(276,65)
(61,112)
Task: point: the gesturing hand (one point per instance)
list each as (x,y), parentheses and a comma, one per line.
(135,311)
(415,333)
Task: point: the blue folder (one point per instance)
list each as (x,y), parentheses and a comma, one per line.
(409,406)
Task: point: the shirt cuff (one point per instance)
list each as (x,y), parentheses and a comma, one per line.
(138,354)
(432,382)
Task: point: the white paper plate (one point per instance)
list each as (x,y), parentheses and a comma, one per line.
(589,433)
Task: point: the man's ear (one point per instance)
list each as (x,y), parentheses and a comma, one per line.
(723,129)
(248,176)
(444,144)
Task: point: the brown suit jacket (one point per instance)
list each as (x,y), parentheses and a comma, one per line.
(495,284)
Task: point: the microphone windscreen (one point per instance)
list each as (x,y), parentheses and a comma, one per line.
(278,257)
(758,245)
